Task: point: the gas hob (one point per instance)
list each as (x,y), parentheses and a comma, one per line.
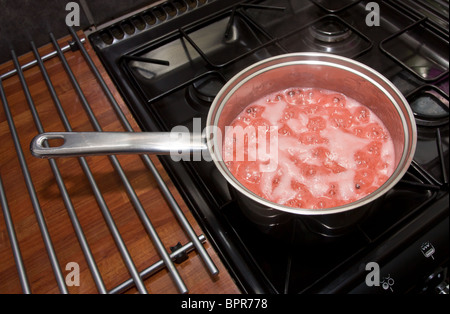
(169,62)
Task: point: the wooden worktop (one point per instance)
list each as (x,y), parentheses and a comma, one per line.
(108,259)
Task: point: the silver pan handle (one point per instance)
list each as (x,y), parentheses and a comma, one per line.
(78,144)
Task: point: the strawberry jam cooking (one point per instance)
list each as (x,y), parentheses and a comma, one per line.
(332,150)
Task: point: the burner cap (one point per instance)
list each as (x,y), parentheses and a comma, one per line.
(330,31)
(203,91)
(207,88)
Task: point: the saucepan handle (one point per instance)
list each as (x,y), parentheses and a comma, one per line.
(78,144)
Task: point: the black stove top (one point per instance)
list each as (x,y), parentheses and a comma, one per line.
(170,61)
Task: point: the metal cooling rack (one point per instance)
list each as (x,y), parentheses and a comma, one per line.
(137,278)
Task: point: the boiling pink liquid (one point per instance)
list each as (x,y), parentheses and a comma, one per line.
(331,149)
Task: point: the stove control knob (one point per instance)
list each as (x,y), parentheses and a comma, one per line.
(437,282)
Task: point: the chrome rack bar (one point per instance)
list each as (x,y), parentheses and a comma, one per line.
(147,161)
(13,240)
(34,62)
(153,269)
(65,195)
(33,197)
(130,191)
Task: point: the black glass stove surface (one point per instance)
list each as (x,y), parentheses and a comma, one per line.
(179,55)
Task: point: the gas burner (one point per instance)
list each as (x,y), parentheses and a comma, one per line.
(201,93)
(430,106)
(330,31)
(329,34)
(332,35)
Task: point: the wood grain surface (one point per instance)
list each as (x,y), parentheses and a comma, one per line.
(64,240)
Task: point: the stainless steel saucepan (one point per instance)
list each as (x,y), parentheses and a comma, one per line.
(317,70)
